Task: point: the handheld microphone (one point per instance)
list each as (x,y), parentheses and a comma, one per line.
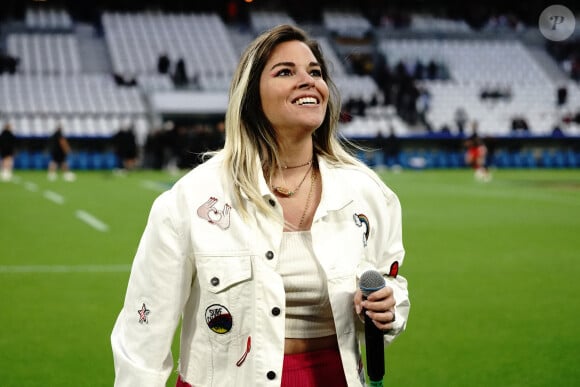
(371,281)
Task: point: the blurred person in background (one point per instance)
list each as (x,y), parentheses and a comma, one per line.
(59,149)
(163,63)
(476,157)
(7,149)
(259,249)
(461,118)
(126,147)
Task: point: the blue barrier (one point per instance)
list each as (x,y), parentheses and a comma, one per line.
(76,160)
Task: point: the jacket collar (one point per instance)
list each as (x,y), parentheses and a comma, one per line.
(335,190)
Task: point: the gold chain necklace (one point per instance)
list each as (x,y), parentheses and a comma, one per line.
(307,205)
(285,191)
(297,166)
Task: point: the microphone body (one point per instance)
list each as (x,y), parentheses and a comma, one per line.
(370,282)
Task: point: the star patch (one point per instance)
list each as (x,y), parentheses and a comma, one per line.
(143,313)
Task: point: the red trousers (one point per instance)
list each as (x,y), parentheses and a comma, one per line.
(313,369)
(310,369)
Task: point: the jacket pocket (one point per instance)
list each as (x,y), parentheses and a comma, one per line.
(219,273)
(341,246)
(226,293)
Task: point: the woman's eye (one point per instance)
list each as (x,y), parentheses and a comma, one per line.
(316,73)
(284,73)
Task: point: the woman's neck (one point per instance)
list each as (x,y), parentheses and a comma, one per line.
(296,154)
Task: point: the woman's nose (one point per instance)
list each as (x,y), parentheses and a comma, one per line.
(306,80)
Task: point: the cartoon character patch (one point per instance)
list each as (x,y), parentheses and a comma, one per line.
(143,313)
(218,318)
(360,220)
(209,212)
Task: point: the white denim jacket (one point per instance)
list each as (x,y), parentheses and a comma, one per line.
(198,260)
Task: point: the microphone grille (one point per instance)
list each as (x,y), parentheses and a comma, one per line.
(371,280)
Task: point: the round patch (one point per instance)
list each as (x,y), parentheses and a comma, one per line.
(218,318)
(557,23)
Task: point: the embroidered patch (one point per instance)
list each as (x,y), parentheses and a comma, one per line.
(394,271)
(360,220)
(218,318)
(143,313)
(181,383)
(209,212)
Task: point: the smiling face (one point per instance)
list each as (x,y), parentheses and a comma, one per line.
(293,93)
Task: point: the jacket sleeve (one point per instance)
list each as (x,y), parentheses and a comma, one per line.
(386,256)
(390,260)
(159,286)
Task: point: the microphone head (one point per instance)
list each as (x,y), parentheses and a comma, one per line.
(370,281)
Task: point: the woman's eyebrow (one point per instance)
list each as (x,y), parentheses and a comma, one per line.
(292,64)
(283,64)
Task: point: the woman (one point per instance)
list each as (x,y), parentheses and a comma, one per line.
(258,250)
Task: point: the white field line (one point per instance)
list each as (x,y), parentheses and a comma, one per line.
(64,269)
(59,199)
(54,197)
(92,221)
(30,186)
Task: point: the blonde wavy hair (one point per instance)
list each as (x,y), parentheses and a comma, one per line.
(250,139)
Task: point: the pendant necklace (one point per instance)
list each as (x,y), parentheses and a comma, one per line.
(307,205)
(286,191)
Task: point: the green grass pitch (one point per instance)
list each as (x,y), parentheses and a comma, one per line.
(493,273)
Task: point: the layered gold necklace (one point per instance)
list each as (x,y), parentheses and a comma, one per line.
(287,192)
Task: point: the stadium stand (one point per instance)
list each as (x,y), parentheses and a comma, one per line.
(263,20)
(47,19)
(415,81)
(475,65)
(343,23)
(136,40)
(46,53)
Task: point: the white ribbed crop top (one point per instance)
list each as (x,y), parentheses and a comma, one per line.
(308,311)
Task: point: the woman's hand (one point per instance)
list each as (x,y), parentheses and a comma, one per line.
(379,306)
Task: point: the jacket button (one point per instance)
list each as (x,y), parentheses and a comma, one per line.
(271,375)
(215,281)
(272,202)
(275,311)
(269,254)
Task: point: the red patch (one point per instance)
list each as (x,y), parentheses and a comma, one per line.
(394,269)
(181,383)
